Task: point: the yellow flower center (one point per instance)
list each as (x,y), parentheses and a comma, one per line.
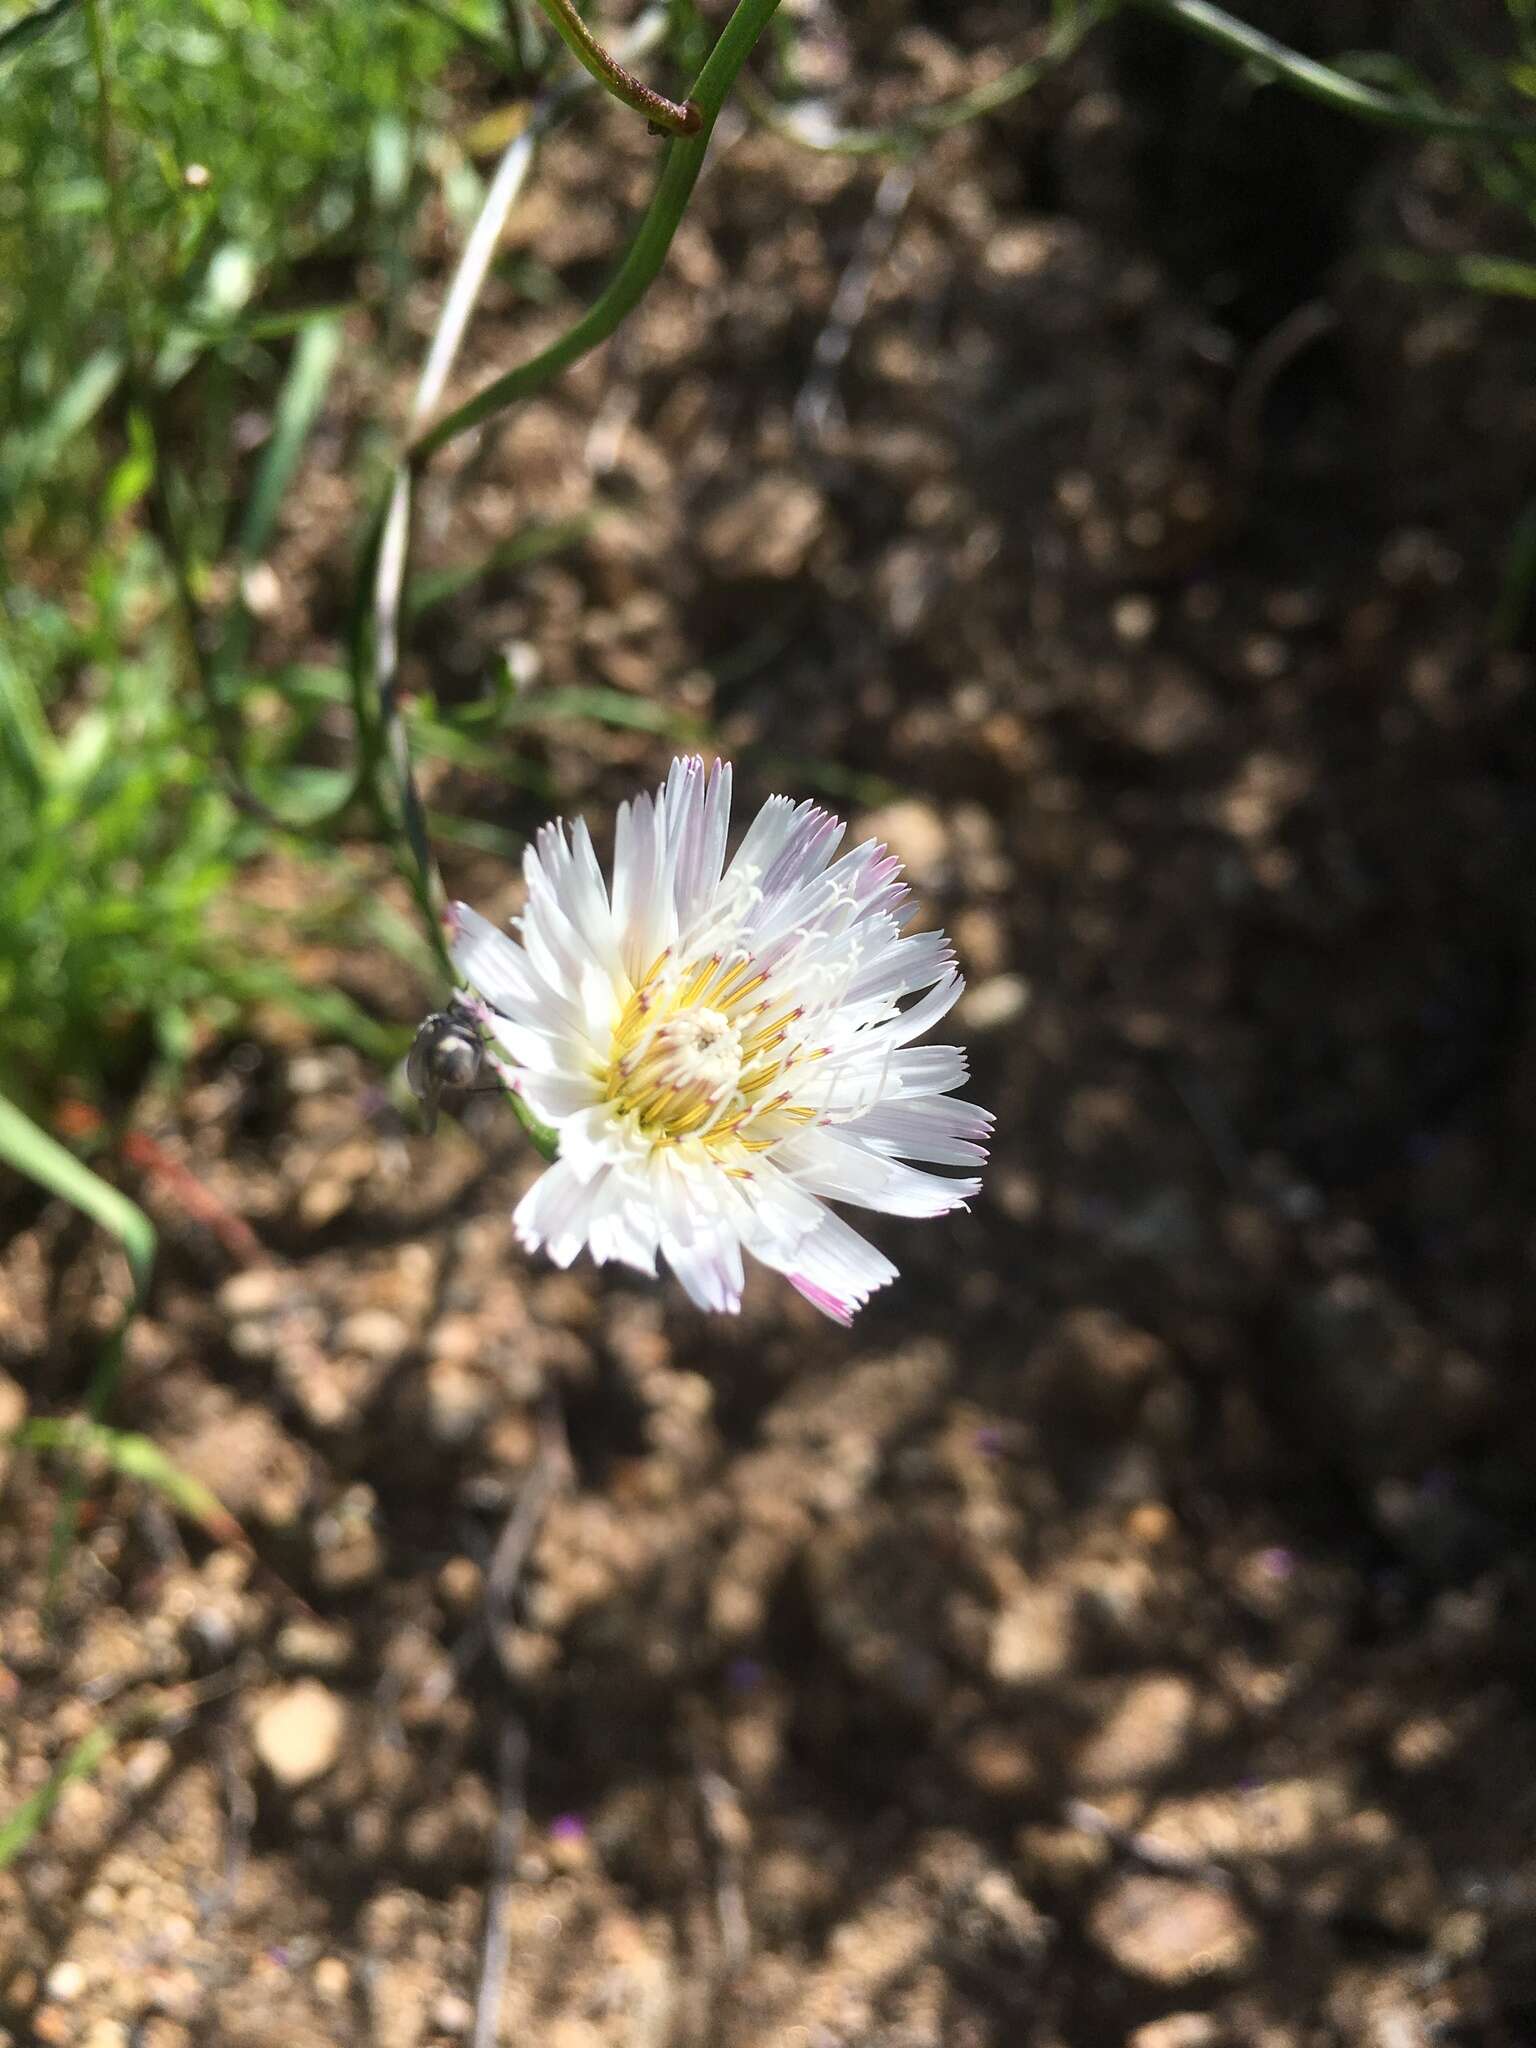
(696,1051)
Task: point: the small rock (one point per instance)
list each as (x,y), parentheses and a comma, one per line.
(1032,1637)
(461,1584)
(178,1994)
(453,2014)
(314,1646)
(915,833)
(65,1982)
(148,1763)
(998,1761)
(906,581)
(298,1732)
(163,2033)
(1171,1930)
(376,1334)
(348,1548)
(1148,1730)
(981,939)
(256,1293)
(766,530)
(459,1401)
(332,1979)
(994,1002)
(105,2034)
(1177,2030)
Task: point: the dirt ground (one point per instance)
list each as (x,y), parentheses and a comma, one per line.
(1123,1635)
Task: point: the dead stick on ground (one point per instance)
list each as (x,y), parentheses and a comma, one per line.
(520,1532)
(818,396)
(508,1563)
(511,1777)
(726,1826)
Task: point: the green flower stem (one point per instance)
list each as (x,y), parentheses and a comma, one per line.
(668,115)
(389,554)
(1332,88)
(680,169)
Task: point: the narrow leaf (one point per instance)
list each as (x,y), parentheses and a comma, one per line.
(299,404)
(32,1151)
(138,1458)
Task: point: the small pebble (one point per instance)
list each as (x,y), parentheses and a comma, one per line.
(375,1333)
(1171,1930)
(105,2034)
(298,1732)
(66,1981)
(332,1979)
(995,1002)
(453,2014)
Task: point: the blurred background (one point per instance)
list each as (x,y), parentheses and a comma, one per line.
(1119,495)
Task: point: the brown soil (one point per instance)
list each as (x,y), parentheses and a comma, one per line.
(1122,1636)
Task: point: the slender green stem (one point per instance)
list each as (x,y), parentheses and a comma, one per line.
(1332,88)
(18,34)
(98,36)
(679,173)
(665,114)
(378,656)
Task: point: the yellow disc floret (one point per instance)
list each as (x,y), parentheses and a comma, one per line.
(696,1052)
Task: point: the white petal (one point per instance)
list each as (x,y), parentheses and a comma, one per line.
(698,819)
(489,961)
(554,1097)
(710,1270)
(901,966)
(923,1015)
(542,1052)
(835,1268)
(785,844)
(642,908)
(567,875)
(926,1070)
(827,1163)
(592,1140)
(555,1213)
(624,1227)
(947,1133)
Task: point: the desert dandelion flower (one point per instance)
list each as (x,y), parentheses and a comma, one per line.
(721,1050)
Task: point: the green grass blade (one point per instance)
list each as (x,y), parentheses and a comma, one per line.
(86,1757)
(75,407)
(24,731)
(169,1711)
(597,704)
(138,1458)
(435,586)
(298,406)
(31,1151)
(15,38)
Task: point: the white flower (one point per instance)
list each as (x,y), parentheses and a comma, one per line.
(721,1050)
